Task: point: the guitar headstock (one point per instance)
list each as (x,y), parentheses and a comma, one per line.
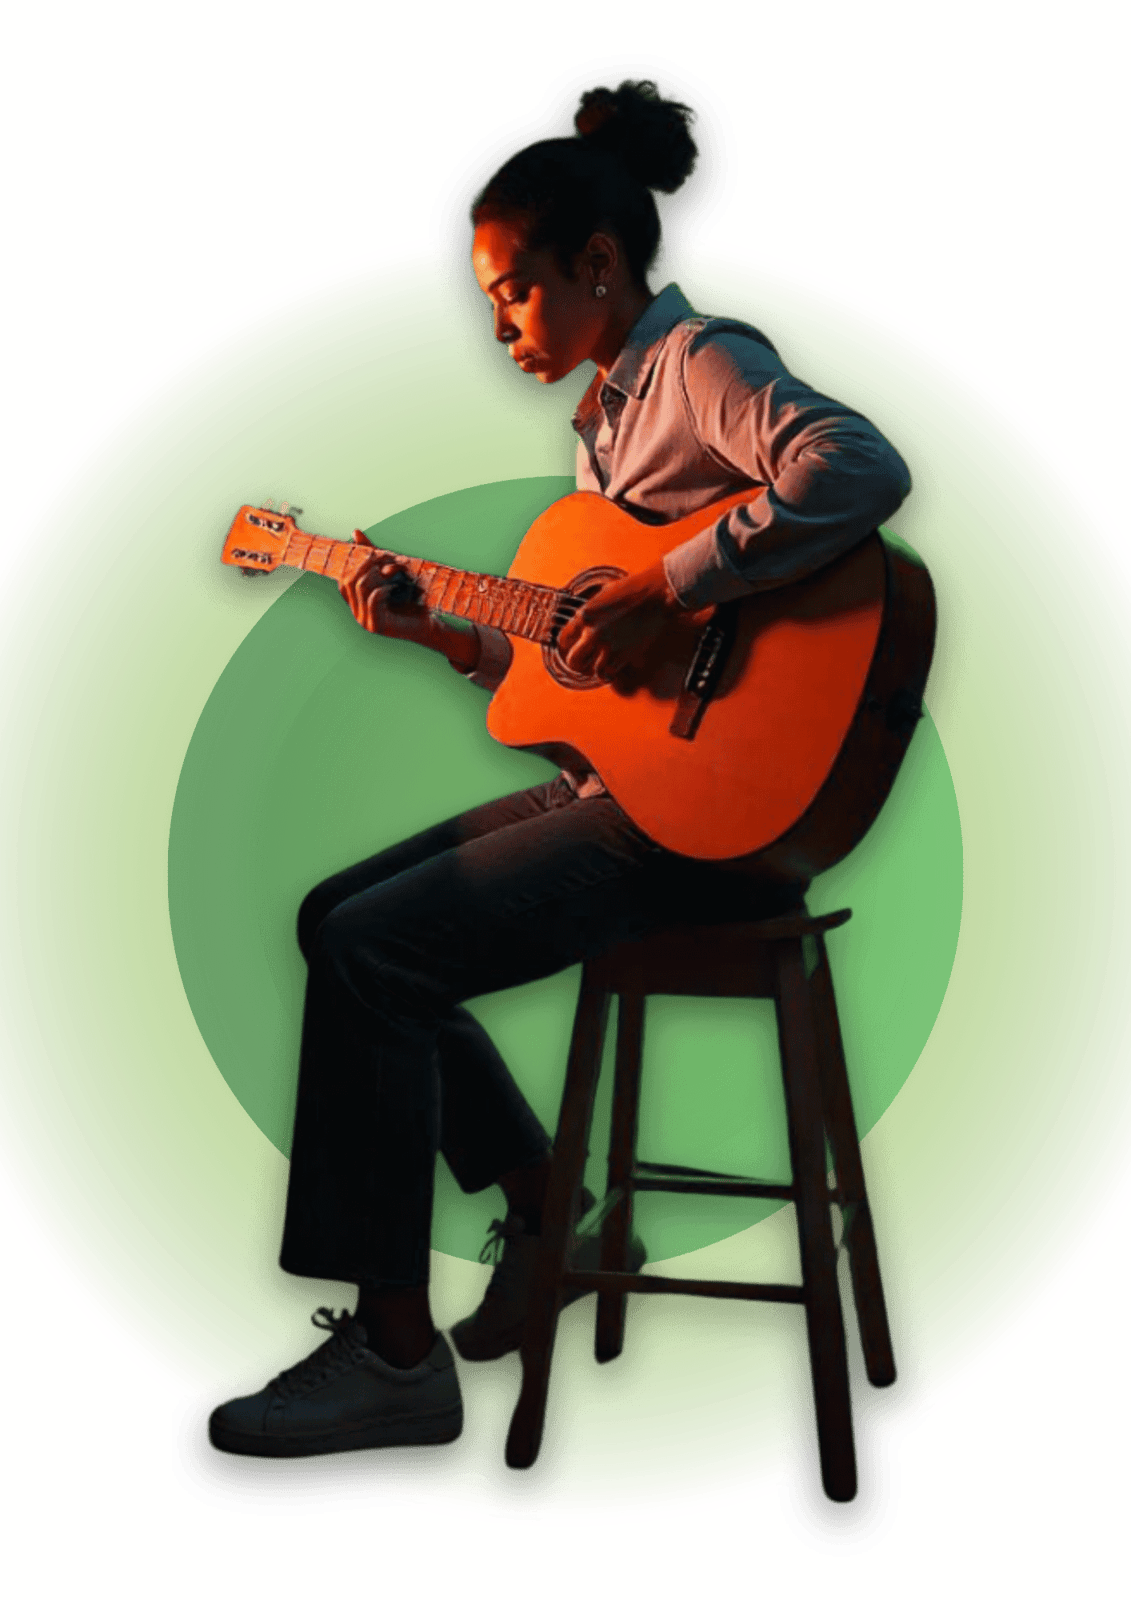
(257,539)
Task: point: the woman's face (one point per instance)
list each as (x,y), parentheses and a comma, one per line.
(549,323)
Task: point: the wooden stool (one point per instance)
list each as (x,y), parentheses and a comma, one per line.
(783,960)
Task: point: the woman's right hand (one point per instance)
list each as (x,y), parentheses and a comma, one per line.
(368,593)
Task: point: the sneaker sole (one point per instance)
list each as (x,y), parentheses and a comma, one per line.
(441,1428)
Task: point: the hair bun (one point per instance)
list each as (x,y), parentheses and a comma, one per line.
(647,134)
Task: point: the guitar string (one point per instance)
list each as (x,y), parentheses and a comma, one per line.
(494,595)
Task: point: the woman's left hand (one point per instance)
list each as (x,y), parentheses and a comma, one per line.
(613,632)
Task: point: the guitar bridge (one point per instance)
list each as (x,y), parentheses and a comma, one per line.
(706,669)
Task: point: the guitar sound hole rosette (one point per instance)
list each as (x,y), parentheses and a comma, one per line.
(584,587)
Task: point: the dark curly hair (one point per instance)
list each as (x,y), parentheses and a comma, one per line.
(629,141)
(632,144)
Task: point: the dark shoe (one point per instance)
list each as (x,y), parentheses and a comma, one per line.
(496,1328)
(344,1397)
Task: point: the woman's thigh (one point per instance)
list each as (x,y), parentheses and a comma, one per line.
(501,906)
(433,841)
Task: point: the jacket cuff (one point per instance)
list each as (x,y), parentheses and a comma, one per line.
(495,656)
(700,574)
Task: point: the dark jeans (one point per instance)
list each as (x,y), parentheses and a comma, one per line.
(393,1068)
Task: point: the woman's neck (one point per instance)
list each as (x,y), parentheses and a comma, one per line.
(624,313)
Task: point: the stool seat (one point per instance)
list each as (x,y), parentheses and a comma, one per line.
(782,959)
(726,960)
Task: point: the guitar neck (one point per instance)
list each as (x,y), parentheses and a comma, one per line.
(527,610)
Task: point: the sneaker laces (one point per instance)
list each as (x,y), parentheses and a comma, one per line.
(498,1236)
(508,1278)
(500,1233)
(347,1348)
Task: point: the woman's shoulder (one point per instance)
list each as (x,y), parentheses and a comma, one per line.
(675,346)
(698,331)
(717,351)
(671,321)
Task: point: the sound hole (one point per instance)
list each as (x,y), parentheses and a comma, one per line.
(584,587)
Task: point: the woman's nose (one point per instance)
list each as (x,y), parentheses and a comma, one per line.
(505,330)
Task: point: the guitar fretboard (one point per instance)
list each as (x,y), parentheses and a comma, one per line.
(529,610)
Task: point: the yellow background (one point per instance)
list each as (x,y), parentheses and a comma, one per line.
(960,165)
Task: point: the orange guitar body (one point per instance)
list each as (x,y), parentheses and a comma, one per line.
(792,750)
(800,741)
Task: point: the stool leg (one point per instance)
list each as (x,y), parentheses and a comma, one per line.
(609,1340)
(860,1238)
(566,1172)
(825,1326)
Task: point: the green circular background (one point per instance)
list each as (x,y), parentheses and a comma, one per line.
(320,744)
(159,1199)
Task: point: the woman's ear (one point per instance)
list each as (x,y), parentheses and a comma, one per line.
(600,258)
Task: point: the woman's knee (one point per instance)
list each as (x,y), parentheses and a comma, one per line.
(313,912)
(385,954)
(327,896)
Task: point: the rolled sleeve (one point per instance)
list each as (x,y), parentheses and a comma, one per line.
(495,656)
(824,476)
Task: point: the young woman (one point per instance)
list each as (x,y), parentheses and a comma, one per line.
(682,412)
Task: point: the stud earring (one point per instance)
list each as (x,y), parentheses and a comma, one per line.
(600,291)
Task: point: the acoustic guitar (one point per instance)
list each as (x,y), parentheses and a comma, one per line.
(772,726)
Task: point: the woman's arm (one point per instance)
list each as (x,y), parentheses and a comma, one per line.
(821,478)
(829,475)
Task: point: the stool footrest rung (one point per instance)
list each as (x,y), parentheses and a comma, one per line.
(713,1288)
(737,1188)
(662,1176)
